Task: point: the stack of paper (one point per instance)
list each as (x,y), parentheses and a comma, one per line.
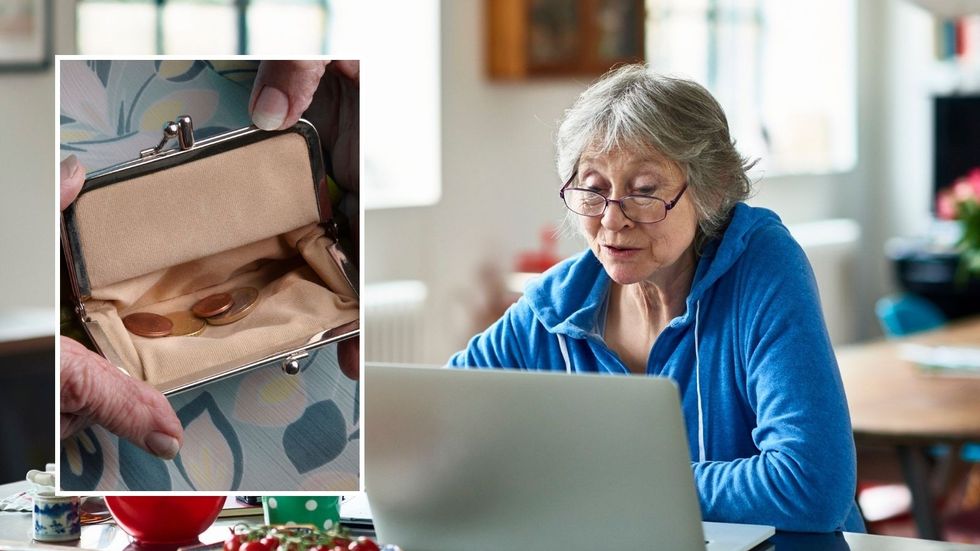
(945,360)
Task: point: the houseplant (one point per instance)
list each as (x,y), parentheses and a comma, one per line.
(961,202)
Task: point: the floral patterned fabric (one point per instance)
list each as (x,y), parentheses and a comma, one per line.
(260,431)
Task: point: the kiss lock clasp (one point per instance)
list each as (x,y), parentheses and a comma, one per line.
(290,365)
(182,129)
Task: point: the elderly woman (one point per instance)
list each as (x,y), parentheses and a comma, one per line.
(681,279)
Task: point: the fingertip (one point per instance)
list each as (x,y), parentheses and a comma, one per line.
(69,166)
(350,68)
(270,109)
(162,445)
(348,356)
(72,178)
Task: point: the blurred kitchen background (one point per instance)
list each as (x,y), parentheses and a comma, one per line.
(838,99)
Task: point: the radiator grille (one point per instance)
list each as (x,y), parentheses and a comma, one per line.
(394,313)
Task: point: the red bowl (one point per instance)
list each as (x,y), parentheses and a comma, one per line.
(171,520)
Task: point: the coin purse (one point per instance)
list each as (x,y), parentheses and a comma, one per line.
(247,208)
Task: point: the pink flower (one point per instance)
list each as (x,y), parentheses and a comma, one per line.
(974,178)
(963,191)
(945,205)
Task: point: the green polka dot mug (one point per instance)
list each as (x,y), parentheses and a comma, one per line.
(320,511)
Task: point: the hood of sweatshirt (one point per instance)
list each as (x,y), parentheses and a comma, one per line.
(567,307)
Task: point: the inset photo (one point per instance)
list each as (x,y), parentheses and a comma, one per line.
(210,316)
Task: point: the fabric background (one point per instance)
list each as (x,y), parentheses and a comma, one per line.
(259,431)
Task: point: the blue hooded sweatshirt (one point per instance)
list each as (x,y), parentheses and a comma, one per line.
(770,435)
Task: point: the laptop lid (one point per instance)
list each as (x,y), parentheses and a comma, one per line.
(495,459)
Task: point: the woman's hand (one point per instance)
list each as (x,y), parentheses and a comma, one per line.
(284,89)
(95,391)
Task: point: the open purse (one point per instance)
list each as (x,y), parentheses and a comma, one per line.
(244,209)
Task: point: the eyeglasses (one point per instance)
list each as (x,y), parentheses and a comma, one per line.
(642,209)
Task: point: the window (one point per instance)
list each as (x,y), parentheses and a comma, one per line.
(400,105)
(400,99)
(197,26)
(784,71)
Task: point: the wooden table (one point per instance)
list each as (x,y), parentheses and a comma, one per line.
(893,402)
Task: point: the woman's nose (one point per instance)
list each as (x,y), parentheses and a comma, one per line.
(613,218)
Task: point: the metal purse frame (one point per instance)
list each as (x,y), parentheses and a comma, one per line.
(157,159)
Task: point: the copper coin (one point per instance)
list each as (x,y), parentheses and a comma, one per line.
(245,300)
(146,324)
(186,324)
(212,305)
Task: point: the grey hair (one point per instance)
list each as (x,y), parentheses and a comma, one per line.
(635,108)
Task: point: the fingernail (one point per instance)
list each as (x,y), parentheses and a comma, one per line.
(270,109)
(69,166)
(162,445)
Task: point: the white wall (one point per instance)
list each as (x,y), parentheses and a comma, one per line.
(913,77)
(499,184)
(27,177)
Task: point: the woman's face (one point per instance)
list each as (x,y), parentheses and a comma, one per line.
(629,251)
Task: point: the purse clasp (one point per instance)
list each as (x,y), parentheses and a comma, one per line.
(290,365)
(182,130)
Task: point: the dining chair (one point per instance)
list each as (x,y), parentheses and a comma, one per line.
(905,313)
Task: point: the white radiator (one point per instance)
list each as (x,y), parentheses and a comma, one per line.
(394,321)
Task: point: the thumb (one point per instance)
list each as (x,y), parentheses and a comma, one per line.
(94,390)
(282,91)
(72,178)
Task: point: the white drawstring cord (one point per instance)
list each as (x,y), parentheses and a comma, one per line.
(564,353)
(697,378)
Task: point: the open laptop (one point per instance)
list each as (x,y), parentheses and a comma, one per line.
(495,459)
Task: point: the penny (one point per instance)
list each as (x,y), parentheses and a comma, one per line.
(245,299)
(146,324)
(212,305)
(186,324)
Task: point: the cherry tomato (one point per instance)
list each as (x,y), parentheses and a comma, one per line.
(363,544)
(271,543)
(252,546)
(337,540)
(233,543)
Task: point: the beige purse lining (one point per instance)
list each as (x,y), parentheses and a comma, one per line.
(301,292)
(131,229)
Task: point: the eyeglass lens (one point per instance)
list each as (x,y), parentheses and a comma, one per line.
(638,208)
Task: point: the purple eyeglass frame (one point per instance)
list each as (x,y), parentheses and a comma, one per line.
(668,204)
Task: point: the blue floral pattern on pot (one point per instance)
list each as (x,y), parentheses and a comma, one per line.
(56,518)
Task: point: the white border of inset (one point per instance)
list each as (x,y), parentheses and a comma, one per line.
(57,284)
